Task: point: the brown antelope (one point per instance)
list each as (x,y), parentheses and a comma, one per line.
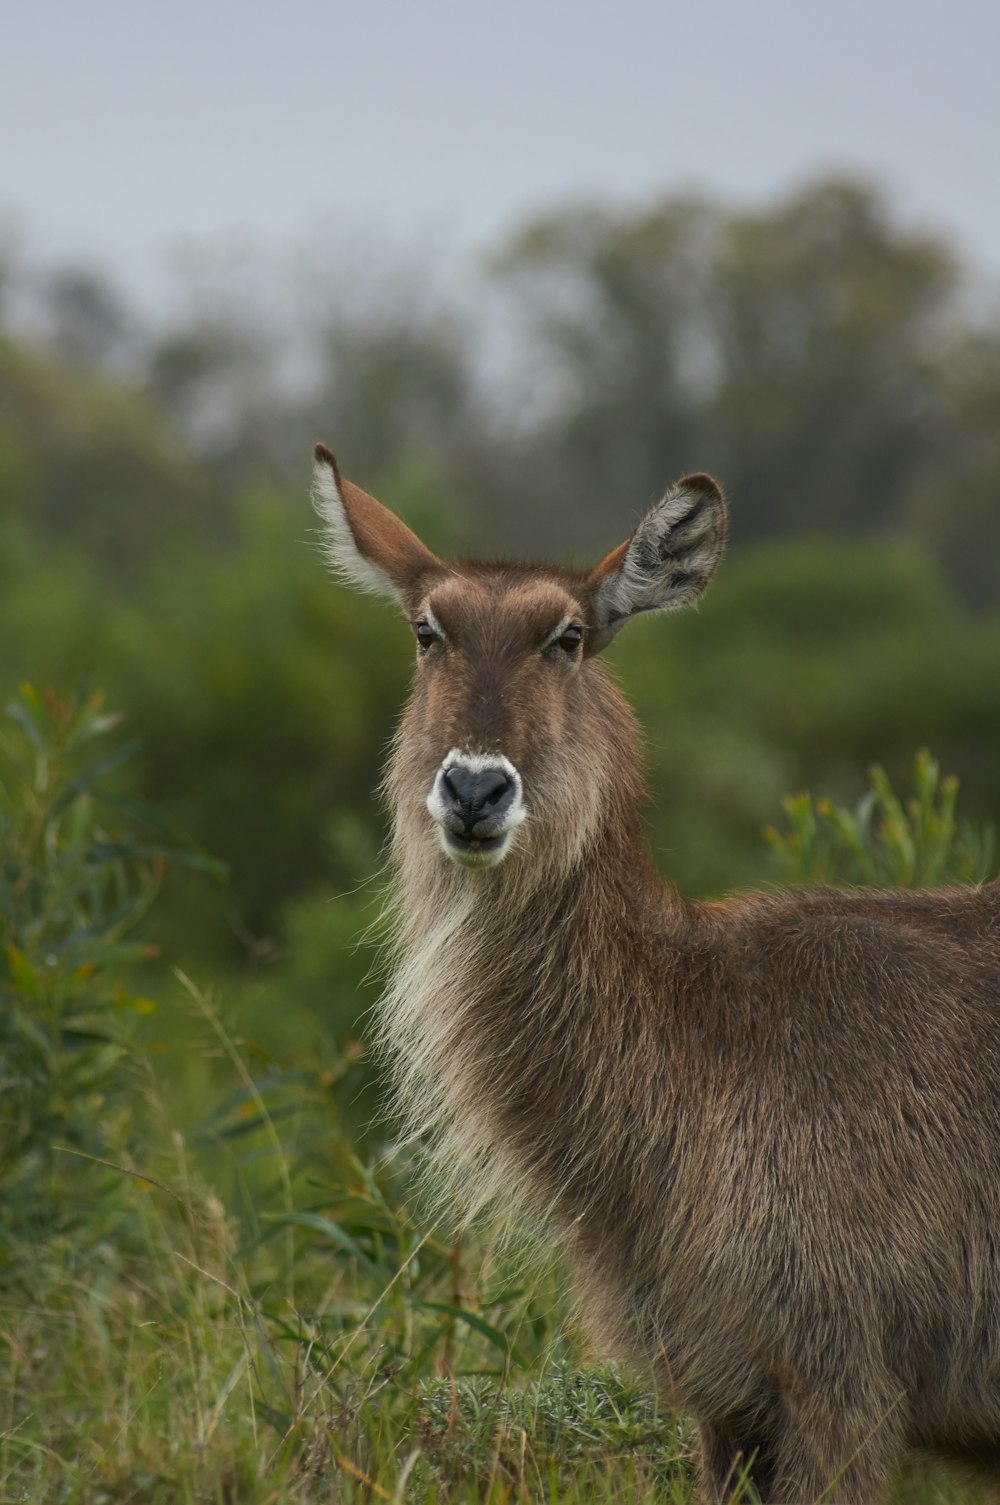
(766,1131)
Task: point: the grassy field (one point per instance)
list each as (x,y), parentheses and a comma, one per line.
(346,1353)
(215,1288)
(154,1350)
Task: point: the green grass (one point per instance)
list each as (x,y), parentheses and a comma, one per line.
(342,1352)
(206,1295)
(330,1358)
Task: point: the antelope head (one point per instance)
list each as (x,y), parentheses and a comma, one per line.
(509,735)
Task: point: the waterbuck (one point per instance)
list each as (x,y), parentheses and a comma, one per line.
(767,1130)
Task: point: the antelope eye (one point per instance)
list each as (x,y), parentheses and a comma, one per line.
(425,634)
(571,639)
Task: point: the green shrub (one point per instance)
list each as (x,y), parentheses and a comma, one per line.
(885,841)
(76,878)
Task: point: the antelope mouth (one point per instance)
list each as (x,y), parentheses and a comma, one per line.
(474,851)
(476,804)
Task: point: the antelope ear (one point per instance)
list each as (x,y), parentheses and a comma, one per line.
(364,542)
(667,562)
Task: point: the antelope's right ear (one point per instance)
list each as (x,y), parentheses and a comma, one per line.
(364,542)
(665,564)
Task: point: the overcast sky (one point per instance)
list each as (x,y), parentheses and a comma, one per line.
(128,125)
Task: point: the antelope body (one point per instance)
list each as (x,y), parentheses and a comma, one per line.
(766,1130)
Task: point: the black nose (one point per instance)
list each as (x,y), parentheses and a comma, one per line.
(476,797)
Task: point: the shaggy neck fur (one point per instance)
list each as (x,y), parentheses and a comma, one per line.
(509,1041)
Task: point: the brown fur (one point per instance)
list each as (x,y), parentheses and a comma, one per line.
(766,1131)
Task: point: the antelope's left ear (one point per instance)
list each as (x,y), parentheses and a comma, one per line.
(667,562)
(365,542)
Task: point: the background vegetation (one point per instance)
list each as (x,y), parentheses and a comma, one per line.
(215,1283)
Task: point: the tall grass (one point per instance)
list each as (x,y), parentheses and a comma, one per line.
(236,1306)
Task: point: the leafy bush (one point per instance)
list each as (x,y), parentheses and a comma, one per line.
(565,1421)
(76,879)
(885,841)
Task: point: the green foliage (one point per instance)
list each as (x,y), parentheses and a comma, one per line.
(280,1141)
(804,664)
(265,693)
(256,1306)
(77,875)
(310,1335)
(885,841)
(92,462)
(565,1423)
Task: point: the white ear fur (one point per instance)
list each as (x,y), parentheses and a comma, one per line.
(339,545)
(670,557)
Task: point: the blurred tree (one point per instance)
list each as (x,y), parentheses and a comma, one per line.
(86,461)
(828,322)
(955,505)
(395,389)
(9,267)
(814,353)
(89,463)
(822,358)
(613,312)
(89,325)
(212,380)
